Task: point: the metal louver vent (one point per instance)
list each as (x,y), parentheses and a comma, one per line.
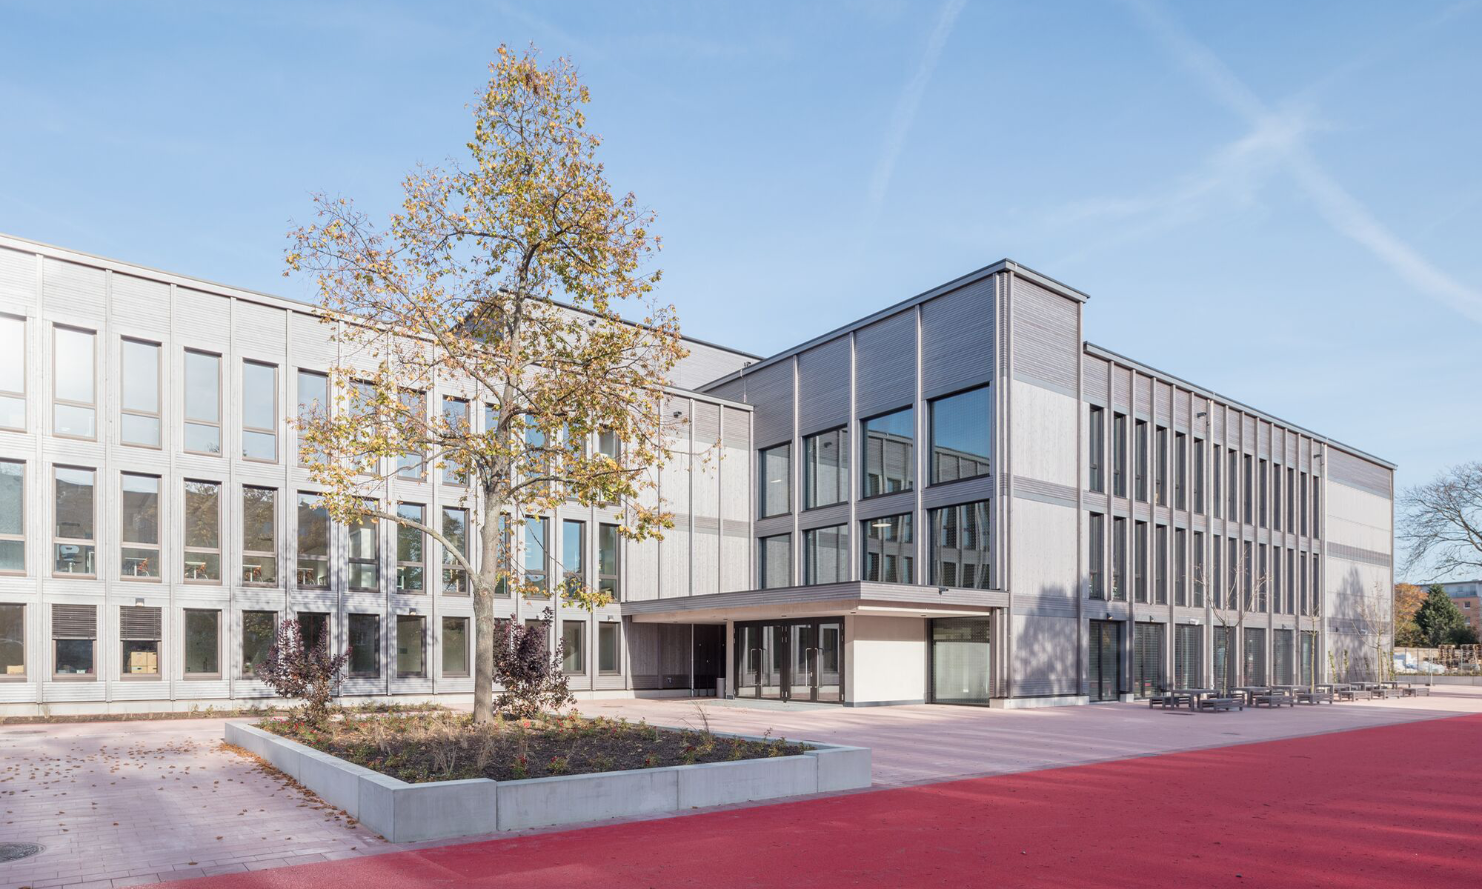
(74,621)
(139,623)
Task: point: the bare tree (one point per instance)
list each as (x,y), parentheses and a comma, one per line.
(1235,592)
(1373,624)
(1441,522)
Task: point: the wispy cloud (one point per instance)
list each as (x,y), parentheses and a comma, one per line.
(910,99)
(1342,211)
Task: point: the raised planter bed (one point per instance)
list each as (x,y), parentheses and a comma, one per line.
(403,812)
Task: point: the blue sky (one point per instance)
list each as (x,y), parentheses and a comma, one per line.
(1278,201)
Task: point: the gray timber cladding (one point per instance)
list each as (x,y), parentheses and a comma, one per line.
(823,386)
(1357,472)
(1045,336)
(957,339)
(885,364)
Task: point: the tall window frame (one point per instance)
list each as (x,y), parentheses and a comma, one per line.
(364,632)
(775,497)
(774,561)
(139,527)
(411,550)
(259,420)
(960,550)
(140,406)
(12,518)
(14,375)
(202,524)
(879,433)
(75,522)
(140,634)
(259,536)
(825,481)
(313,546)
(889,550)
(74,642)
(14,665)
(1119,455)
(1095,447)
(202,403)
(826,555)
(363,551)
(74,396)
(609,561)
(1096,555)
(960,435)
(455,530)
(200,643)
(1140,460)
(313,398)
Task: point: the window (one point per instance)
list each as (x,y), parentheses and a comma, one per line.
(1303,508)
(607,561)
(12,517)
(74,636)
(1276,475)
(414,403)
(1305,595)
(74,383)
(455,646)
(202,531)
(1291,581)
(961,435)
(1095,445)
(1160,466)
(455,414)
(826,555)
(1198,476)
(139,639)
(12,373)
(313,629)
(1316,507)
(1200,581)
(1232,483)
(259,411)
(826,468)
(537,538)
(1096,529)
(364,539)
(1248,501)
(506,568)
(890,463)
(313,404)
(776,480)
(1316,584)
(202,402)
(365,646)
(1274,578)
(12,641)
(1180,567)
(410,662)
(139,393)
(961,546)
(1119,455)
(888,550)
(1160,565)
(1119,559)
(258,629)
(259,536)
(1217,588)
(775,561)
(1261,483)
(573,557)
(607,649)
(1217,476)
(574,646)
(609,445)
(1291,500)
(1235,565)
(202,644)
(1140,460)
(411,554)
(1140,561)
(75,521)
(455,530)
(312,568)
(139,535)
(1180,470)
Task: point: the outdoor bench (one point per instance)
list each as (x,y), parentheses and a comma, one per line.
(1273,700)
(1314,697)
(1413,690)
(1346,694)
(1221,704)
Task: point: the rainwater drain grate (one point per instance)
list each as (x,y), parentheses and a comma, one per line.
(17,851)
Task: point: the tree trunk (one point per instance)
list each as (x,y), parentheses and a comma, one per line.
(483,615)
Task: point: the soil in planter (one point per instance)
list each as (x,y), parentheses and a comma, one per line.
(448,746)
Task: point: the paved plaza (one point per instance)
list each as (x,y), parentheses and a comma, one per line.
(127,803)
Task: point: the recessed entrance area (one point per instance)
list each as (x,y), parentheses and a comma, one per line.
(791,660)
(960,661)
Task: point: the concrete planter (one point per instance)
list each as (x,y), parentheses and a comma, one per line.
(404,813)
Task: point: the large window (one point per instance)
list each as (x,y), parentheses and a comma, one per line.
(455,414)
(313,404)
(1160,565)
(139,393)
(774,558)
(1119,455)
(1180,567)
(1316,507)
(1095,448)
(76,519)
(1119,559)
(258,628)
(139,632)
(889,550)
(1140,561)
(202,644)
(365,551)
(365,646)
(962,546)
(890,462)
(411,553)
(1160,466)
(313,629)
(607,649)
(75,383)
(1232,485)
(413,466)
(12,373)
(961,435)
(1249,499)
(12,517)
(455,530)
(202,402)
(1096,529)
(455,646)
(1140,459)
(574,646)
(74,638)
(1218,467)
(312,567)
(1261,495)
(259,411)
(1180,470)
(1277,477)
(139,533)
(12,641)
(608,580)
(202,531)
(776,480)
(573,557)
(1199,476)
(826,555)
(537,541)
(1200,580)
(410,643)
(259,536)
(826,468)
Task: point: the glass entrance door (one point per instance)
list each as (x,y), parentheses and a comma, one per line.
(800,660)
(1104,660)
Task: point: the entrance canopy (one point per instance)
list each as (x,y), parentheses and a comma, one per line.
(855,597)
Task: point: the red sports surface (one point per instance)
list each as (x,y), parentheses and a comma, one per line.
(1384,807)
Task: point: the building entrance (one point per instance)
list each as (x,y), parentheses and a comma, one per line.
(792,660)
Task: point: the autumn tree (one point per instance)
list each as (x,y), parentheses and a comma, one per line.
(500,279)
(1441,522)
(1408,598)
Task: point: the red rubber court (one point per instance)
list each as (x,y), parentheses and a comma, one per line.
(1382,807)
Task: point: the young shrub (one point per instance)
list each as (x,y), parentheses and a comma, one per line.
(308,673)
(529,671)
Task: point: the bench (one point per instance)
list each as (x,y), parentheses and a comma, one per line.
(1221,704)
(1346,694)
(1167,700)
(1314,697)
(1411,691)
(1274,699)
